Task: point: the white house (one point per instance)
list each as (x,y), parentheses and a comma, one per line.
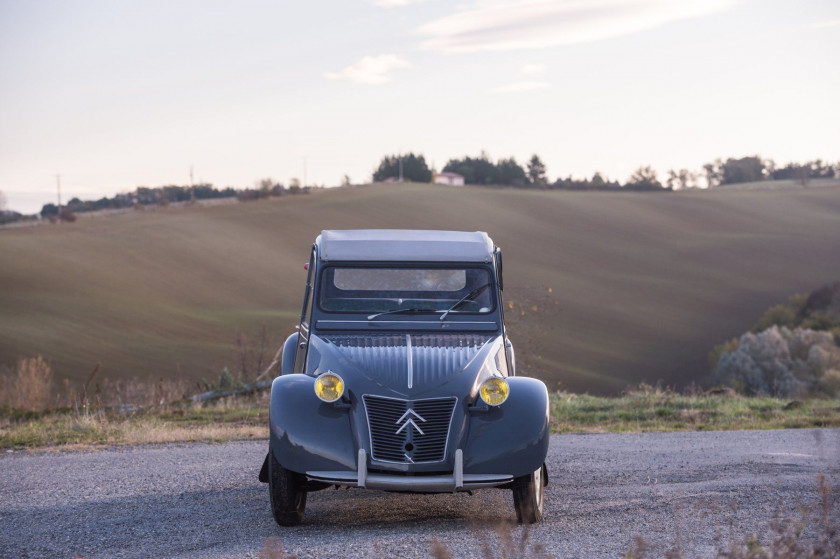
(449,179)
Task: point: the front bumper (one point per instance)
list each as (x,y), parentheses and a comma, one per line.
(458,481)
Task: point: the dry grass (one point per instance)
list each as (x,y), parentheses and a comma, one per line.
(103,411)
(273,549)
(232,419)
(157,432)
(28,386)
(76,433)
(506,541)
(134,392)
(511,545)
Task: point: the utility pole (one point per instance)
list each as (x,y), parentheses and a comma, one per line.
(304,170)
(58,189)
(401,172)
(192,187)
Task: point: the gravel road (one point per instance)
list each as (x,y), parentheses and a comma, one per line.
(204,500)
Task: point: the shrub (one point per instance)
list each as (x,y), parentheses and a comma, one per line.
(819,310)
(830,383)
(777,315)
(252,353)
(28,386)
(780,362)
(720,349)
(226,380)
(67,215)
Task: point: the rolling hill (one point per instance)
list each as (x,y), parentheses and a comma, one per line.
(603,289)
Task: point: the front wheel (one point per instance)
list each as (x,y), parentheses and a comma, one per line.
(528,496)
(288,499)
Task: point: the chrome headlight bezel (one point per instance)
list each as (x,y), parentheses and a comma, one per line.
(327,377)
(494,391)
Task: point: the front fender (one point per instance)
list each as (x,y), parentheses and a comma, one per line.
(287,363)
(306,433)
(511,438)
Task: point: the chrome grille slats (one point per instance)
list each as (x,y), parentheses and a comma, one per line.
(387,415)
(437,413)
(383,413)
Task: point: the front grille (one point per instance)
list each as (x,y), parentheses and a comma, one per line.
(409,431)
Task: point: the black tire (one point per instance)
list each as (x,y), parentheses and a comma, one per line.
(288,499)
(529,496)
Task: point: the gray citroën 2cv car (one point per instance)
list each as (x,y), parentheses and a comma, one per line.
(400,376)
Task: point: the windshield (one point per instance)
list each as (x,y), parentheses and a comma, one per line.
(376,290)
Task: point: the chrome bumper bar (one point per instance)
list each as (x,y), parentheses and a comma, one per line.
(458,481)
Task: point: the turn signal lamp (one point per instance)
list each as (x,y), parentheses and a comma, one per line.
(329,387)
(494,391)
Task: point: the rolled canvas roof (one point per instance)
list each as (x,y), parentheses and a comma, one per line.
(405,245)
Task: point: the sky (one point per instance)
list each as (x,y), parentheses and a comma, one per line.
(117,94)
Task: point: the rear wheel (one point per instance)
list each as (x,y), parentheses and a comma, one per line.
(288,499)
(528,496)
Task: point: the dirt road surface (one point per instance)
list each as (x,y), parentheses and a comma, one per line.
(699,489)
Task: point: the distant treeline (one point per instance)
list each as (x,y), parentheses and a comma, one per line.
(751,169)
(143,196)
(482,170)
(164,195)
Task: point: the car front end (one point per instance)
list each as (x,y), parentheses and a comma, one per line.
(401,377)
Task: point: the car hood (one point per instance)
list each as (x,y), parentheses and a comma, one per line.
(407,364)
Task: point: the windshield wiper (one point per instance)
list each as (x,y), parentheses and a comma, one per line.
(404,311)
(468,297)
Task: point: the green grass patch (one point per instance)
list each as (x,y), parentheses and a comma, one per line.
(650,409)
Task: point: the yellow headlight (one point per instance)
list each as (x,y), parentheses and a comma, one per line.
(494,391)
(329,387)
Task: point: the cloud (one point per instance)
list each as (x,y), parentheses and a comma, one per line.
(832,23)
(520,86)
(531,69)
(395,3)
(371,69)
(534,24)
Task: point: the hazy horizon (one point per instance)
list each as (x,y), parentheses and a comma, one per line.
(118,95)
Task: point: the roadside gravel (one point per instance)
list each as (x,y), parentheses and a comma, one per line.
(204,500)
